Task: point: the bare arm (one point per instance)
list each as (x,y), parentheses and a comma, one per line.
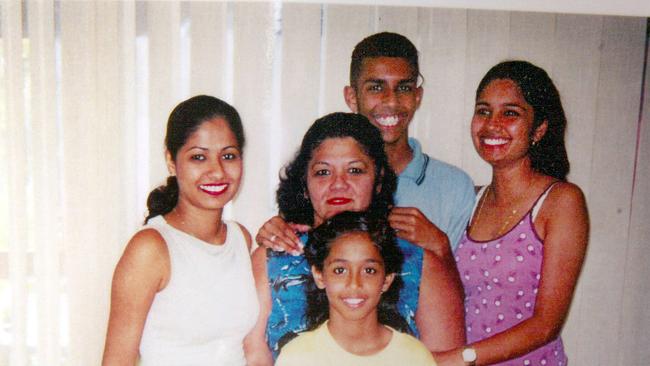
(255,347)
(440,315)
(142,271)
(280,235)
(563,223)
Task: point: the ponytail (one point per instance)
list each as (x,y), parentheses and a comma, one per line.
(163,199)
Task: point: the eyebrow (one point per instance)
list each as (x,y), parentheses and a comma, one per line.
(382,81)
(207,149)
(357,162)
(481,103)
(342,260)
(198,147)
(231,147)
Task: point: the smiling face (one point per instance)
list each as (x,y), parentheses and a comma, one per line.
(208,167)
(386,92)
(340,177)
(353,277)
(502,124)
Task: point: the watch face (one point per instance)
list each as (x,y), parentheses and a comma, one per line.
(469,355)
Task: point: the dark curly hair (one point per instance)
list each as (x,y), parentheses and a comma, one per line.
(548,156)
(318,247)
(292,195)
(383,44)
(183,121)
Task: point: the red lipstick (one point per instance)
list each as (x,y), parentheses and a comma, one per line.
(337,201)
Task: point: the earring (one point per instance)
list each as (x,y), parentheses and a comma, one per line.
(534,143)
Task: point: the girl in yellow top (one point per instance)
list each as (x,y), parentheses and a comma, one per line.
(351,310)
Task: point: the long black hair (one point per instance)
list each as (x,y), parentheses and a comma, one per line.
(183,121)
(548,156)
(318,247)
(292,196)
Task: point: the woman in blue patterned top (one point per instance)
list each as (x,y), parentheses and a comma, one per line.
(341,166)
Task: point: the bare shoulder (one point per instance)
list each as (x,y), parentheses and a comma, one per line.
(145,261)
(565,195)
(563,214)
(147,245)
(247,236)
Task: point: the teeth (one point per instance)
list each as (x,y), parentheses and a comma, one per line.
(353,301)
(214,188)
(493,142)
(388,121)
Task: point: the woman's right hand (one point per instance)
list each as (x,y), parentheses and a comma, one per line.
(280,236)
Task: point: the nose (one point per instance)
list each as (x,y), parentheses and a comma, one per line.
(354,280)
(340,182)
(216,170)
(389,97)
(493,121)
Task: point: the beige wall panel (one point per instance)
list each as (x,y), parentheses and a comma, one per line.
(576,57)
(610,190)
(93,225)
(488,42)
(635,322)
(577,66)
(441,122)
(133,208)
(254,42)
(46,230)
(532,37)
(14,144)
(165,90)
(108,151)
(301,79)
(78,53)
(402,20)
(208,55)
(344,27)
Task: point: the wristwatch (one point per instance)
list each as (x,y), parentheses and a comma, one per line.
(469,356)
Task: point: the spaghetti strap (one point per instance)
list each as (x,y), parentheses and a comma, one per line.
(538,205)
(479,194)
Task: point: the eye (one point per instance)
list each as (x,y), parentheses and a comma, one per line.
(321,172)
(355,170)
(405,88)
(229,156)
(198,157)
(370,270)
(338,270)
(511,113)
(482,112)
(374,88)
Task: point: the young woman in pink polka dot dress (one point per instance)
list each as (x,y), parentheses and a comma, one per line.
(521,255)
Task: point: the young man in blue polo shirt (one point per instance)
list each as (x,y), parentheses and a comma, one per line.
(433,198)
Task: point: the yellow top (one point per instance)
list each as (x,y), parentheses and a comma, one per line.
(318,348)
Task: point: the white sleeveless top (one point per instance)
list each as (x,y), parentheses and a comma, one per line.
(209,305)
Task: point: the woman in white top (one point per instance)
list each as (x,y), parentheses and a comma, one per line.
(183,291)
